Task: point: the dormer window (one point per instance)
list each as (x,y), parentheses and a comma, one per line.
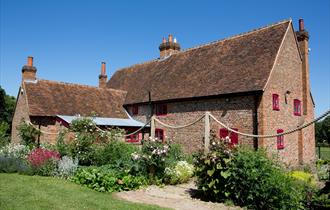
(276,102)
(297,107)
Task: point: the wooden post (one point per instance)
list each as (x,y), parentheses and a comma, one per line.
(152,129)
(207,132)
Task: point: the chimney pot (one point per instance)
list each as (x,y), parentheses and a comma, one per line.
(30,61)
(301,24)
(103,69)
(164,40)
(170,37)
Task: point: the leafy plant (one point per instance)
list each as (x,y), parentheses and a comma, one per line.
(115,152)
(7,106)
(213,170)
(14,165)
(43,161)
(18,151)
(105,179)
(304,176)
(28,134)
(4,136)
(181,173)
(83,125)
(323,169)
(13,159)
(67,166)
(246,178)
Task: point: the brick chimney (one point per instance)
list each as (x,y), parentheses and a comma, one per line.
(168,47)
(103,77)
(29,71)
(303,37)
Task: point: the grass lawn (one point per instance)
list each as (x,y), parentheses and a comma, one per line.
(325,152)
(35,192)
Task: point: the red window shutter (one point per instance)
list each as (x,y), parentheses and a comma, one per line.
(233,136)
(223,133)
(276,102)
(159,134)
(280,140)
(296,107)
(135,109)
(161,109)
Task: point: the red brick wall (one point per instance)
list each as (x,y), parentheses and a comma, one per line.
(235,111)
(286,76)
(21,113)
(49,127)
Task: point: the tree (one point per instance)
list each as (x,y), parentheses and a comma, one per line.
(322,131)
(7,106)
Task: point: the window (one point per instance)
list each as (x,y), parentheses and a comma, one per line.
(296,107)
(232,136)
(161,109)
(159,134)
(135,109)
(276,102)
(134,137)
(280,140)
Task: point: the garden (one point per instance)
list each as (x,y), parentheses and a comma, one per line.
(101,161)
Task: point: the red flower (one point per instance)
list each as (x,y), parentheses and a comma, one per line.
(40,156)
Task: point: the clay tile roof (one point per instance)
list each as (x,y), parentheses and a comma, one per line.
(238,64)
(49,98)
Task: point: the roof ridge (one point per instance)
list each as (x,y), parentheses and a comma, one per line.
(75,84)
(238,35)
(211,43)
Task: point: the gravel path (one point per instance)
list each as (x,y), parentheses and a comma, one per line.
(175,197)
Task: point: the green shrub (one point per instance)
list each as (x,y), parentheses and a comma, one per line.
(323,169)
(321,198)
(83,125)
(61,146)
(304,176)
(13,159)
(153,158)
(247,178)
(14,165)
(174,155)
(115,152)
(178,174)
(18,151)
(67,166)
(212,171)
(105,179)
(28,134)
(4,137)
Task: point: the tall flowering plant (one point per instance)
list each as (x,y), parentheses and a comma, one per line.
(153,157)
(43,161)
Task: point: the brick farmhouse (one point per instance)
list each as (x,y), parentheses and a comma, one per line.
(256,82)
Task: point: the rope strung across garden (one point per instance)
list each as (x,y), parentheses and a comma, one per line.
(138,129)
(180,126)
(273,135)
(246,134)
(41,131)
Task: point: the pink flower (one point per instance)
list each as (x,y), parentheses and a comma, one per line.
(40,156)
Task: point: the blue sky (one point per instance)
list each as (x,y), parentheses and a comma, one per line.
(70,39)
